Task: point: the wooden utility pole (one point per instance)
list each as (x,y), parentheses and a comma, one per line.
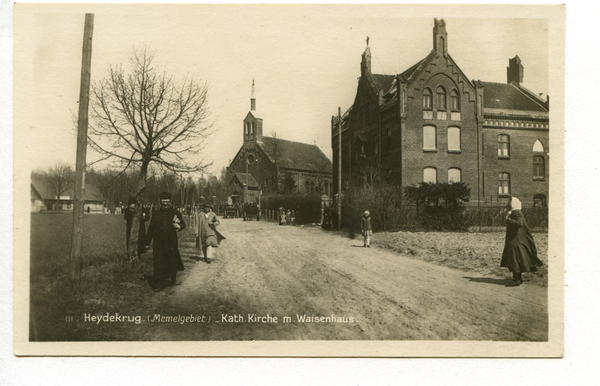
(339,211)
(82,129)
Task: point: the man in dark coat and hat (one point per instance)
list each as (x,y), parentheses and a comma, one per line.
(163,228)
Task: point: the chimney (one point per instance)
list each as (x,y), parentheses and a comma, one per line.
(514,71)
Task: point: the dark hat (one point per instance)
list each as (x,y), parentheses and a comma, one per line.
(132,200)
(207,205)
(165,196)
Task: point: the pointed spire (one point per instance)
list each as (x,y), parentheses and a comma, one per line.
(252,98)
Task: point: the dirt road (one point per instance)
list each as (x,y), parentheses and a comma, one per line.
(264,271)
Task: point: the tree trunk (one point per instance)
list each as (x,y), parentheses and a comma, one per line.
(132,248)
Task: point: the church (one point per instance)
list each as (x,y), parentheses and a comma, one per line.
(431,123)
(270,165)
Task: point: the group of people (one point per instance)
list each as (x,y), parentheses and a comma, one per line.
(287,217)
(162,232)
(519,254)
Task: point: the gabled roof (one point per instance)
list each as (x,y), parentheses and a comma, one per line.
(408,73)
(382,82)
(245,179)
(510,97)
(297,155)
(92,193)
(42,188)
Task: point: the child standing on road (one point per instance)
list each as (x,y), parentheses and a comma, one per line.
(366,229)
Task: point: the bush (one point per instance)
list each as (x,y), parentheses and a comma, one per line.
(440,206)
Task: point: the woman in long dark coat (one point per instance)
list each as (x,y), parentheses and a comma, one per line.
(520,253)
(129,213)
(163,228)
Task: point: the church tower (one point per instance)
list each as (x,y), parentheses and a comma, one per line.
(253,129)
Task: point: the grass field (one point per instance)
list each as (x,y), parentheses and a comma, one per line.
(108,282)
(468,252)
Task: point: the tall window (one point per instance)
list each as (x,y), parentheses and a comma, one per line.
(454,175)
(503,145)
(454,101)
(430,175)
(538,167)
(441,98)
(247,128)
(429,138)
(427,99)
(454,138)
(503,184)
(252,128)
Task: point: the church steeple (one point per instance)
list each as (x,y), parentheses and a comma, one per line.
(252,98)
(365,64)
(253,128)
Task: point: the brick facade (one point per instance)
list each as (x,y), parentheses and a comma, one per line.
(462,119)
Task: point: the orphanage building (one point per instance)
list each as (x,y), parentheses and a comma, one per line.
(432,124)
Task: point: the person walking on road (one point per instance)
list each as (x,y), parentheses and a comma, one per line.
(206,232)
(163,228)
(520,253)
(366,228)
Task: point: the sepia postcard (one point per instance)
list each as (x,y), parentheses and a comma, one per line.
(292,180)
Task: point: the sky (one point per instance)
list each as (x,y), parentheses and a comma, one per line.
(304,60)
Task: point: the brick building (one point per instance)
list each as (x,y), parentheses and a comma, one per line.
(432,124)
(273,165)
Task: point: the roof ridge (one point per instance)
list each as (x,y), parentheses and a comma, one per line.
(529,96)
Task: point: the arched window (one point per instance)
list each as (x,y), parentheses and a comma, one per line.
(503,145)
(429,138)
(454,100)
(427,99)
(441,98)
(454,138)
(503,184)
(252,128)
(430,175)
(538,147)
(247,128)
(539,200)
(454,175)
(539,171)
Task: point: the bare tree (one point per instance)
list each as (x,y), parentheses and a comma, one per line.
(143,117)
(60,179)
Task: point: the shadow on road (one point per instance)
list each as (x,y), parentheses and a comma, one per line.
(358,246)
(487,280)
